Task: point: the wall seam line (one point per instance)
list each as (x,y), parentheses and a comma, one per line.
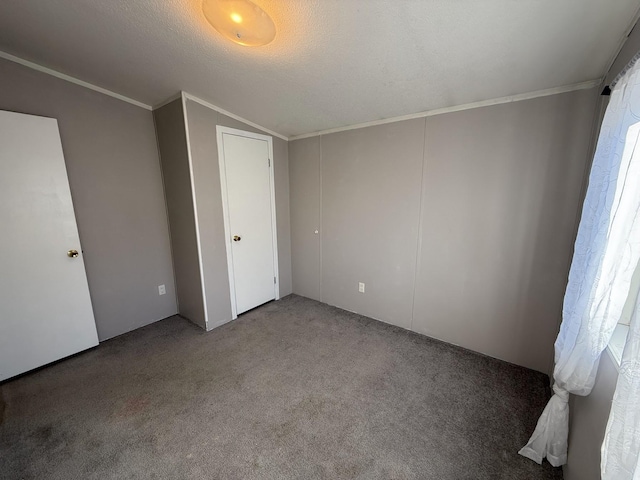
(419,239)
(320,219)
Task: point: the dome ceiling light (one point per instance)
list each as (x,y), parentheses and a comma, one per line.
(241,21)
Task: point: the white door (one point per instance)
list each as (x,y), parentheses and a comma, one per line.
(247,189)
(45,308)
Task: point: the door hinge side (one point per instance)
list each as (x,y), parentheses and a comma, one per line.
(268,162)
(274,280)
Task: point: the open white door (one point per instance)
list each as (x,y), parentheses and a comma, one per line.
(246,175)
(45,308)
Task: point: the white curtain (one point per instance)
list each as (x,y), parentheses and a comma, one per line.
(605,256)
(621,446)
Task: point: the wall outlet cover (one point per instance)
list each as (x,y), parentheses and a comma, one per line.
(161,290)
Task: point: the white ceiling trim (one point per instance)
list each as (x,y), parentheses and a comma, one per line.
(69,78)
(458,108)
(172,98)
(90,86)
(428,113)
(232,115)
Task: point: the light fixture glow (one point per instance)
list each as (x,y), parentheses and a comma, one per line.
(241,21)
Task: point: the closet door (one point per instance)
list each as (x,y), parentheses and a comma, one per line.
(249,205)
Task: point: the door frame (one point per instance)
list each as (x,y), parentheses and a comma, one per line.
(220,131)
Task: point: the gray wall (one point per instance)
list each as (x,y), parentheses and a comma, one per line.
(461,225)
(370,207)
(112,163)
(172,143)
(202,123)
(502,190)
(304,179)
(207,186)
(589,416)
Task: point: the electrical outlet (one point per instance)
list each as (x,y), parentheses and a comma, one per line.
(161,290)
(361,287)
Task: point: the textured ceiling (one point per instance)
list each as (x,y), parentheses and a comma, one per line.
(333,62)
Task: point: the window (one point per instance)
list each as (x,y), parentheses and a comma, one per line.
(619,338)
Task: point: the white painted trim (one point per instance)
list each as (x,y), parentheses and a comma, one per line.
(615,347)
(220,323)
(467,106)
(227,227)
(168,101)
(220,131)
(613,358)
(428,113)
(69,78)
(195,211)
(233,115)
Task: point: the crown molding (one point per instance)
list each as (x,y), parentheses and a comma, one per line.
(427,113)
(69,78)
(218,109)
(172,98)
(458,108)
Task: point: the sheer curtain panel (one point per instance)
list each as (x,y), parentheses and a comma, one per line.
(605,256)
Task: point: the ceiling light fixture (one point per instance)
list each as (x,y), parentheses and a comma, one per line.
(241,21)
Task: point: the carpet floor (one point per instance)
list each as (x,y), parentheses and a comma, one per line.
(293,389)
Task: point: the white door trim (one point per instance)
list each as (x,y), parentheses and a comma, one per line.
(221,130)
(195,210)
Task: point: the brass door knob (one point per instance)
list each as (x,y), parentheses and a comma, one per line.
(72,253)
(236,238)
